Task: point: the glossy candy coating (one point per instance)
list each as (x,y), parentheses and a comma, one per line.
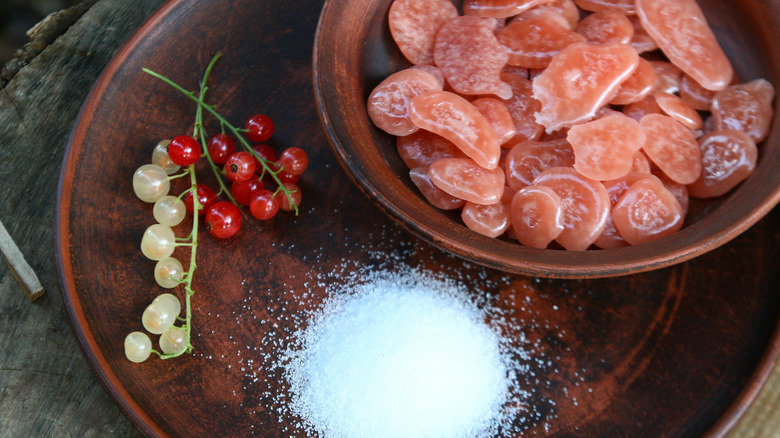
(728,157)
(641,41)
(489,220)
(679,110)
(672,147)
(464,179)
(680,191)
(638,86)
(436,196)
(610,237)
(565,8)
(388,103)
(580,80)
(585,204)
(683,34)
(698,97)
(432,69)
(457,120)
(641,163)
(624,6)
(604,149)
(667,76)
(497,113)
(647,211)
(537,216)
(526,160)
(532,42)
(499,8)
(423,147)
(522,107)
(745,107)
(641,108)
(606,27)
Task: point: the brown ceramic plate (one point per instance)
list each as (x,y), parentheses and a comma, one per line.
(678,352)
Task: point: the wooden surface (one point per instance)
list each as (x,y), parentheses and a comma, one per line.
(46,386)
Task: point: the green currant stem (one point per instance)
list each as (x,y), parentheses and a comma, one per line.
(200,133)
(178,175)
(187,281)
(235,131)
(196,206)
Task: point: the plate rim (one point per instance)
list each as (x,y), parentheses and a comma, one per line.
(79,325)
(81,328)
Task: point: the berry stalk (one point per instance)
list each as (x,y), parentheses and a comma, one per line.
(237,133)
(198,131)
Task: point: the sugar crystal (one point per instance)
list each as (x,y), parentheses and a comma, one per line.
(400,355)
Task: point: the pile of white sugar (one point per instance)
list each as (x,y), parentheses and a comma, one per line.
(400,355)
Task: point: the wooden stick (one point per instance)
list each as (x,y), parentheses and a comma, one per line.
(23,273)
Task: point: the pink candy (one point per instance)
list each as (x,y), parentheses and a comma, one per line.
(457,120)
(388,104)
(681,31)
(414,24)
(580,80)
(470,57)
(540,122)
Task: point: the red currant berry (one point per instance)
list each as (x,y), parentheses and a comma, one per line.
(220,147)
(240,166)
(294,160)
(284,201)
(265,152)
(243,191)
(259,128)
(264,205)
(184,150)
(223,219)
(206,197)
(286,177)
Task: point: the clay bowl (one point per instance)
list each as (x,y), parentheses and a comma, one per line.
(354,51)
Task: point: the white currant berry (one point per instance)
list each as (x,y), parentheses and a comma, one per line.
(158,242)
(150,183)
(169,302)
(174,340)
(138,347)
(168,272)
(169,210)
(161,158)
(159,316)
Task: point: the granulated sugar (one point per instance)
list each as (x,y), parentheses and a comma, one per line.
(394,343)
(400,355)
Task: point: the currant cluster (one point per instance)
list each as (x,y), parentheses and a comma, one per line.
(247,173)
(246,170)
